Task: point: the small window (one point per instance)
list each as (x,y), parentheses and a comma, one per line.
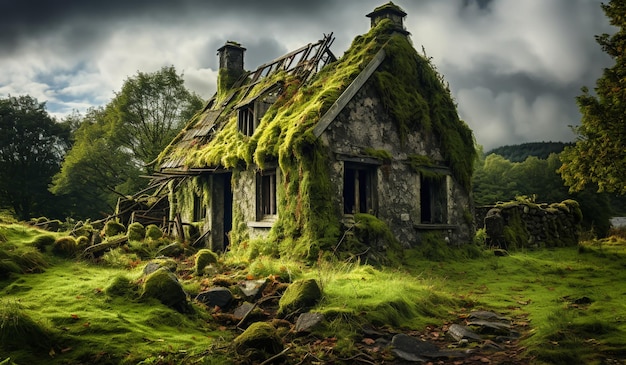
(246,119)
(199,209)
(433,199)
(358,189)
(266,197)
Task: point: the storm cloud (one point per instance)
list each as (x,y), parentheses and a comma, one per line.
(514,67)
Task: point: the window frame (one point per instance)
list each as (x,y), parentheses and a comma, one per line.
(355,175)
(266,199)
(434,199)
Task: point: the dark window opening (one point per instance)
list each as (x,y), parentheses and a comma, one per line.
(266,182)
(433,200)
(246,120)
(358,190)
(199,209)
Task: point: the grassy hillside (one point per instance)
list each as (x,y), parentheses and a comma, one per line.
(64,310)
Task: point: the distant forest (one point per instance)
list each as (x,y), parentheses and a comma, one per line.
(519,152)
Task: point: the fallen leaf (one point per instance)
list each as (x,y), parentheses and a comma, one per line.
(368,341)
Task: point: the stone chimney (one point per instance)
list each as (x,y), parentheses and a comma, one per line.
(389,11)
(231,65)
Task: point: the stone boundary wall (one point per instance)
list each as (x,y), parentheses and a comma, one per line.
(528,225)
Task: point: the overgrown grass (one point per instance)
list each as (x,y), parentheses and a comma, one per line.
(568,302)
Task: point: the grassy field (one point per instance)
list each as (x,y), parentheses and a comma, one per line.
(570,302)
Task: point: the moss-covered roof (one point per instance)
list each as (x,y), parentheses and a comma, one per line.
(410,87)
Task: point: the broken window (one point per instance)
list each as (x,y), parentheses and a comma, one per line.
(246,119)
(266,197)
(358,189)
(433,199)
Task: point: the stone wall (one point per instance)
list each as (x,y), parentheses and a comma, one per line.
(528,225)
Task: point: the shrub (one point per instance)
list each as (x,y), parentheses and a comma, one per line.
(136,231)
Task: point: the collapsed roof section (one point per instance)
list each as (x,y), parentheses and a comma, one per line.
(267,79)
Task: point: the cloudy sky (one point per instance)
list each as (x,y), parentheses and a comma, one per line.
(514,66)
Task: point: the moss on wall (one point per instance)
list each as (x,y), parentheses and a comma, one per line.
(308,221)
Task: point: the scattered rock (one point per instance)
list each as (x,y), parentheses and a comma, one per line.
(459,332)
(252,289)
(308,321)
(299,296)
(258,342)
(158,263)
(218,296)
(164,286)
(412,349)
(243,310)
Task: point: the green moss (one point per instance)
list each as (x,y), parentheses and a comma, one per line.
(258,342)
(164,286)
(65,246)
(204,257)
(153,232)
(300,295)
(136,231)
(382,155)
(113,228)
(19,330)
(122,286)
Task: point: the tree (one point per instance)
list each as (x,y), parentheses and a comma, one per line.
(599,156)
(114,145)
(32,146)
(150,110)
(96,168)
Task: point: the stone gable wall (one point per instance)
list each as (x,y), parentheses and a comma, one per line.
(527,225)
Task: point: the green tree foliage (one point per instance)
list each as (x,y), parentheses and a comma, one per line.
(519,152)
(96,167)
(113,145)
(150,110)
(32,146)
(497,179)
(599,156)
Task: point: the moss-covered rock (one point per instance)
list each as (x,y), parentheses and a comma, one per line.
(43,241)
(258,342)
(153,232)
(65,246)
(164,286)
(204,257)
(136,231)
(299,296)
(113,228)
(169,264)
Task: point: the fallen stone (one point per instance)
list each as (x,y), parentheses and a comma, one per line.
(308,321)
(252,289)
(243,310)
(412,349)
(496,328)
(218,296)
(459,332)
(258,342)
(486,316)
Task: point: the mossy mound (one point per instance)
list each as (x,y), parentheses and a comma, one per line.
(43,241)
(153,232)
(204,257)
(164,286)
(65,246)
(121,286)
(258,342)
(299,296)
(18,330)
(136,231)
(113,228)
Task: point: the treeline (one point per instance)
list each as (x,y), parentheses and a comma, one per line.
(78,167)
(499,179)
(519,152)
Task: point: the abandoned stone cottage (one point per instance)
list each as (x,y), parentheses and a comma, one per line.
(297,150)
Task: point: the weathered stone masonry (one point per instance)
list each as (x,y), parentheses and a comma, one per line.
(527,225)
